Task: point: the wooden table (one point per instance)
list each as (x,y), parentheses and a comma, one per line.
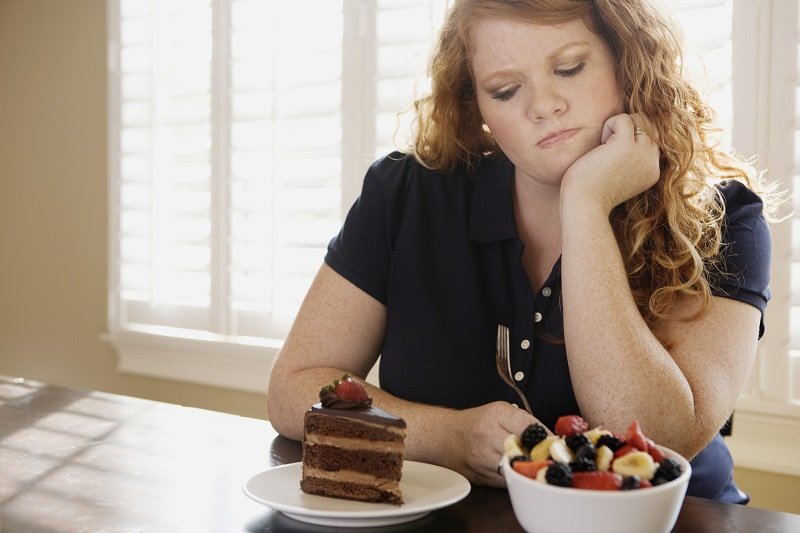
(83,461)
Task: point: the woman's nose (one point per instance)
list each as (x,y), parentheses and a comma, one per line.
(545,101)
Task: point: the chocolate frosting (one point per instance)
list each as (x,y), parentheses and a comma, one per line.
(369,414)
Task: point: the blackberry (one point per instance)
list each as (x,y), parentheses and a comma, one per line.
(574,442)
(668,470)
(518,458)
(558,474)
(583,464)
(611,441)
(533,435)
(631,483)
(587,451)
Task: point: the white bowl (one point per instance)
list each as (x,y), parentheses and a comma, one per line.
(542,508)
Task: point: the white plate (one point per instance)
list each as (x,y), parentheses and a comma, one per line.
(425,488)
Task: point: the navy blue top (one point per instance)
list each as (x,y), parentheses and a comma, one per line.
(442,253)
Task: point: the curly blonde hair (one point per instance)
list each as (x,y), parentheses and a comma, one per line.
(670,235)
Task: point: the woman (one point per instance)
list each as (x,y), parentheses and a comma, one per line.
(562,182)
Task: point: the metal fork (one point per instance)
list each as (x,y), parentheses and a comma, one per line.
(504,363)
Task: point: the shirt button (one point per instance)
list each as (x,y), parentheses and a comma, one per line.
(525,344)
(537,317)
(519,376)
(547,291)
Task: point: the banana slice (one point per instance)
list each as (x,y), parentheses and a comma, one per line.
(595,433)
(540,475)
(635,464)
(513,446)
(603,458)
(560,452)
(541,451)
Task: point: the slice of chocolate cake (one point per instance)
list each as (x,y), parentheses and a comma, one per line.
(351,449)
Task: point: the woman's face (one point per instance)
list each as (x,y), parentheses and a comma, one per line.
(543,91)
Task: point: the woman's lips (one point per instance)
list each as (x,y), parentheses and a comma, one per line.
(556,138)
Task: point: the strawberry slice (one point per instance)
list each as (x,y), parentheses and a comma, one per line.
(569,425)
(625,450)
(351,390)
(597,480)
(635,437)
(654,452)
(530,468)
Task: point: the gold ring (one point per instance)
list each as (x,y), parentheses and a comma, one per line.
(638,130)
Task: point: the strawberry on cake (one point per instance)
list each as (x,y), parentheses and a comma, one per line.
(352,449)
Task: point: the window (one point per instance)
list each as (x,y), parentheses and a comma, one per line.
(767,101)
(240,131)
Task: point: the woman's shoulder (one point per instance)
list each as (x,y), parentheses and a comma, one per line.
(399,173)
(395,165)
(399,164)
(741,202)
(746,248)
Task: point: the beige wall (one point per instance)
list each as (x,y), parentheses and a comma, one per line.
(53,206)
(53,218)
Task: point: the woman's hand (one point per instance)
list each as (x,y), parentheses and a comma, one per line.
(626,163)
(475,446)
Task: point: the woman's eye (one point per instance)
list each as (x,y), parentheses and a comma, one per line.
(504,94)
(570,71)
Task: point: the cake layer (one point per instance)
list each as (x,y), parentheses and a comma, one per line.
(357,444)
(351,491)
(348,427)
(332,458)
(351,476)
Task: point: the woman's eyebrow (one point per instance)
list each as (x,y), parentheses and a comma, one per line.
(562,48)
(502,72)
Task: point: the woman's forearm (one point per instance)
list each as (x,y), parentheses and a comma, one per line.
(618,367)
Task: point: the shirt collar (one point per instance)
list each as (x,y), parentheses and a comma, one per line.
(492,211)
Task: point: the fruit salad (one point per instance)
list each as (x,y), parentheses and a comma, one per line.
(583,458)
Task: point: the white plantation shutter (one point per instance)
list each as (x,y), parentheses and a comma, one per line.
(792,121)
(405,31)
(285,149)
(165,130)
(239,134)
(229,160)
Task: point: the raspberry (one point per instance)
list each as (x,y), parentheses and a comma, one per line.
(533,435)
(558,474)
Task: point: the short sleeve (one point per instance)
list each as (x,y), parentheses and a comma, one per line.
(361,251)
(746,251)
